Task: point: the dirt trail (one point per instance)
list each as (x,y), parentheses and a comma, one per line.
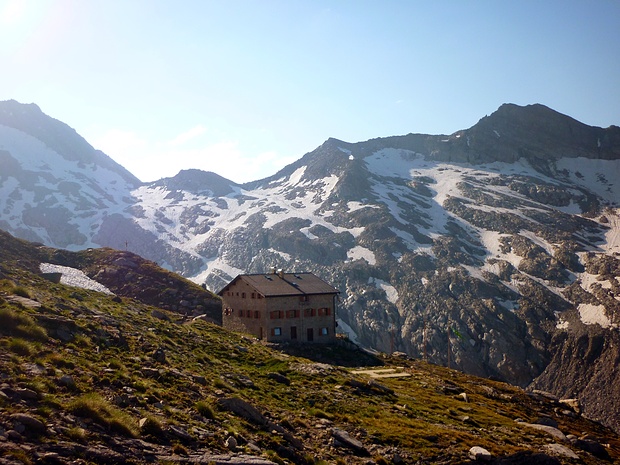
(397,372)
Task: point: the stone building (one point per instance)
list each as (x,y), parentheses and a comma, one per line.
(281,307)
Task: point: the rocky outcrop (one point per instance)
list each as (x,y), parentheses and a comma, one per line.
(585,364)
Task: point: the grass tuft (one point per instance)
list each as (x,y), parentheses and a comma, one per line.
(151,426)
(320,414)
(14,323)
(76,433)
(21,291)
(20,456)
(98,409)
(21,347)
(179,449)
(205,409)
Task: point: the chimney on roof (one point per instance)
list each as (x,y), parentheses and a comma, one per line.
(281,272)
(273,270)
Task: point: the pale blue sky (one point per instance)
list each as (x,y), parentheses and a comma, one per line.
(244,87)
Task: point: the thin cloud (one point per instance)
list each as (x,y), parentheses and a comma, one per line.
(186,136)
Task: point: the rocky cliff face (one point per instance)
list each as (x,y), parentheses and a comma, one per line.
(487,249)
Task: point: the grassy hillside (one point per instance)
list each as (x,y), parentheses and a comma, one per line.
(98,378)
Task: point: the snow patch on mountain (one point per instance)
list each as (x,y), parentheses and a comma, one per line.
(354,206)
(596,175)
(612,237)
(280,253)
(74,277)
(508,304)
(411,243)
(346,329)
(594,315)
(390,291)
(294,178)
(390,162)
(491,241)
(362,253)
(587,280)
(218,265)
(538,241)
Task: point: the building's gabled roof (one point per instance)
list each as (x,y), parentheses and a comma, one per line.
(283,284)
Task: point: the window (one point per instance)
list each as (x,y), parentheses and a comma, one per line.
(276,331)
(243,295)
(292,313)
(256,314)
(304,298)
(276,314)
(324,331)
(254,295)
(240,312)
(325,311)
(309,312)
(228,311)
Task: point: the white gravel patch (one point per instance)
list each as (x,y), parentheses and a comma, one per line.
(74,277)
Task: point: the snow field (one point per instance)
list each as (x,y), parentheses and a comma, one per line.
(74,277)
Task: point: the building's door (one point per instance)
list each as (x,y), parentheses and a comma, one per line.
(293,333)
(310,333)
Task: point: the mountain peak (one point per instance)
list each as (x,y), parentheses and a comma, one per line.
(534,132)
(197,181)
(534,115)
(11,105)
(58,136)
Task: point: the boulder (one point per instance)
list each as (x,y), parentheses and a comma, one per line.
(159,355)
(480,454)
(343,439)
(180,433)
(573,404)
(67,381)
(31,423)
(560,451)
(278,378)
(231,443)
(156,313)
(548,421)
(242,409)
(591,446)
(556,433)
(26,394)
